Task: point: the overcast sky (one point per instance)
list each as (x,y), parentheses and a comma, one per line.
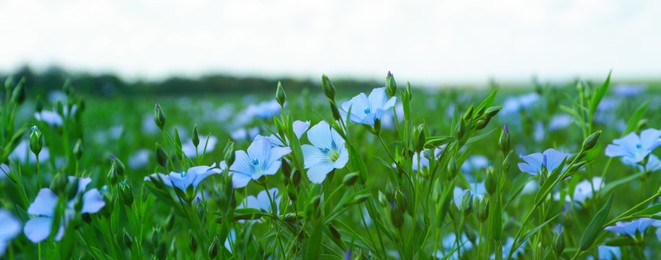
(419,41)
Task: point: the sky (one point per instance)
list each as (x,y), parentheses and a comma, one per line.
(430,42)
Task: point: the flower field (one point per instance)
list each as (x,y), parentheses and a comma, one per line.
(551,171)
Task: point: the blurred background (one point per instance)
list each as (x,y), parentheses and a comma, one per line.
(159,47)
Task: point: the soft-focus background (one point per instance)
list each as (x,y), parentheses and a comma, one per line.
(429,43)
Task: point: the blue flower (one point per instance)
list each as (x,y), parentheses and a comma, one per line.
(38,228)
(326,153)
(260,159)
(635,148)
(10,227)
(549,159)
(583,190)
(450,250)
(193,176)
(366,110)
(653,164)
(630,228)
(609,252)
(261,201)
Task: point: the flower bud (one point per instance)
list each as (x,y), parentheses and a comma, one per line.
(228,152)
(296,178)
(213,248)
(452,167)
(377,126)
(507,162)
(419,137)
(193,242)
(350,179)
(118,165)
(113,177)
(59,183)
(78,149)
(126,193)
(490,183)
(8,83)
(481,123)
(334,232)
(483,209)
(504,140)
(397,217)
(72,189)
(286,169)
(492,111)
(400,201)
(36,140)
(391,85)
(159,116)
(383,201)
(161,156)
(467,203)
(280,95)
(291,193)
(329,89)
(460,129)
(196,136)
(591,141)
(408,92)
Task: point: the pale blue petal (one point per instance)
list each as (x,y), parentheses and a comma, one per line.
(242,164)
(277,153)
(377,98)
(614,151)
(82,182)
(318,173)
(272,169)
(554,159)
(200,177)
(649,139)
(180,180)
(320,135)
(389,104)
(300,127)
(38,229)
(92,201)
(260,150)
(240,180)
(44,204)
(312,156)
(524,167)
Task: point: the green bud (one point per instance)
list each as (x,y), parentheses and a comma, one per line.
(126,193)
(119,166)
(8,83)
(280,95)
(400,201)
(59,183)
(481,123)
(78,149)
(159,116)
(113,177)
(483,209)
(468,115)
(128,242)
(196,136)
(329,89)
(460,129)
(452,167)
(350,179)
(409,93)
(334,232)
(291,193)
(286,169)
(296,178)
(72,189)
(467,203)
(228,152)
(490,183)
(383,201)
(177,141)
(492,111)
(36,140)
(504,140)
(391,85)
(419,137)
(377,126)
(397,217)
(193,242)
(162,156)
(591,141)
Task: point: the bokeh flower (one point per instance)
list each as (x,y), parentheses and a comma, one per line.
(326,153)
(635,148)
(366,110)
(630,228)
(10,227)
(38,228)
(260,159)
(549,160)
(583,190)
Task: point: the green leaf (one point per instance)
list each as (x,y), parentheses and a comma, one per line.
(635,117)
(436,141)
(313,243)
(599,94)
(531,232)
(487,101)
(480,137)
(648,211)
(595,226)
